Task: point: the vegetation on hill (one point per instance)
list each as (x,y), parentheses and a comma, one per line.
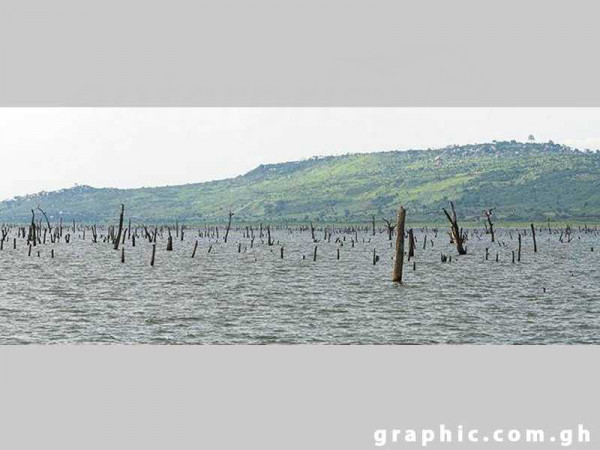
(523,181)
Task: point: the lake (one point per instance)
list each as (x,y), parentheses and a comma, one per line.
(86,295)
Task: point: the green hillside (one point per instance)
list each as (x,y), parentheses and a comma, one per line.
(532,181)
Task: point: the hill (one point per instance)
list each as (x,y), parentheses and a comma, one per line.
(524,181)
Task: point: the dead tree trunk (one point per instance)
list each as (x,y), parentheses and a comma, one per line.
(390,228)
(399,261)
(5,231)
(457,235)
(411,244)
(170,242)
(33,228)
(228,225)
(534,241)
(118,239)
(488,214)
(373,221)
(47,221)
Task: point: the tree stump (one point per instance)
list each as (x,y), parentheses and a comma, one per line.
(399,260)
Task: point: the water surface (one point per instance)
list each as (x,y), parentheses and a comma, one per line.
(86,295)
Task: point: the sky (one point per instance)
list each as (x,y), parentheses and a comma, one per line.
(44,149)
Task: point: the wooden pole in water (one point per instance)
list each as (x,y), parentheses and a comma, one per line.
(230,214)
(153,254)
(118,240)
(122,254)
(315,254)
(411,244)
(195,248)
(534,242)
(519,252)
(399,261)
(33,228)
(170,242)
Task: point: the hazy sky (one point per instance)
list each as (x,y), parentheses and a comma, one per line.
(54,148)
